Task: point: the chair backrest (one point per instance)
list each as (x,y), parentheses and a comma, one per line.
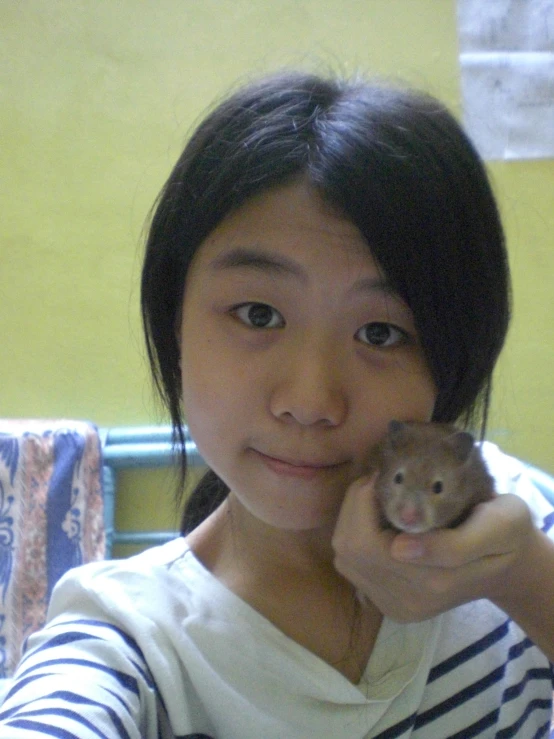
(135,448)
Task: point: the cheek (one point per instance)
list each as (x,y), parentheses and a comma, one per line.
(424,400)
(420,392)
(196,368)
(211,398)
(407,396)
(199,362)
(202,389)
(203,413)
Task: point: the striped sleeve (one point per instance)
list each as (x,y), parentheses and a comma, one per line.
(81,679)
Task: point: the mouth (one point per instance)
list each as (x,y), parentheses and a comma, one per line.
(301,468)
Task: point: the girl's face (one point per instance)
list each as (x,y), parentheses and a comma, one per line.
(295,356)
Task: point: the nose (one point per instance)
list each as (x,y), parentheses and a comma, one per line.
(310,387)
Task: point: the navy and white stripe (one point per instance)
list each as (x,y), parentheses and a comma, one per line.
(62,691)
(457,700)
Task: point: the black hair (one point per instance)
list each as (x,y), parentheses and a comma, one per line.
(393,161)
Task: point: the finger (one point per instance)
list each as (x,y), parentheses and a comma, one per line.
(491,530)
(358,520)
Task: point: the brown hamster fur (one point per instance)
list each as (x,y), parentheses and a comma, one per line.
(431,476)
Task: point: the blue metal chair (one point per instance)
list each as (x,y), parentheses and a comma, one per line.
(131,448)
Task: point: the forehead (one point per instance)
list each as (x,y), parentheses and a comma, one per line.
(292,221)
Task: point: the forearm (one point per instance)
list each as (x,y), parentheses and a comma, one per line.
(527,593)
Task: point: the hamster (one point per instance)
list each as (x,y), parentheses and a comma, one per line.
(430,476)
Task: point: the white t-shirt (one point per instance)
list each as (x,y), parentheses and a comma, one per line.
(155,647)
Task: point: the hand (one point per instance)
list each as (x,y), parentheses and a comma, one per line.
(414,577)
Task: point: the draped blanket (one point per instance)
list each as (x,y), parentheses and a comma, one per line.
(51,519)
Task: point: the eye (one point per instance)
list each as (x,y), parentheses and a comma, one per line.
(381,334)
(258,315)
(399,478)
(437,487)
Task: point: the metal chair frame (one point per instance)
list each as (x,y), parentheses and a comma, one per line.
(132,448)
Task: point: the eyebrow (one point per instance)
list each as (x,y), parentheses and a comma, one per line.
(241,257)
(375,284)
(277,264)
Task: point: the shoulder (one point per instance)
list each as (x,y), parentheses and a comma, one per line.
(484,661)
(108,651)
(146,583)
(478,639)
(132,612)
(514,476)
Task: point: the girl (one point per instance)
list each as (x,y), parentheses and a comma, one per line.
(325,257)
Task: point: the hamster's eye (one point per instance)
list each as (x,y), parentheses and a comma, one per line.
(437,487)
(399,478)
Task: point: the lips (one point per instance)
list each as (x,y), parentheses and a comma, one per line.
(304,468)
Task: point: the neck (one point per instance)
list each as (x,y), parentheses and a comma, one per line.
(289,577)
(232,533)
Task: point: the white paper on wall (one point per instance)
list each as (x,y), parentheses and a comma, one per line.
(507,68)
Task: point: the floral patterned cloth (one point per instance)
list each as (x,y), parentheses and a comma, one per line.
(51,519)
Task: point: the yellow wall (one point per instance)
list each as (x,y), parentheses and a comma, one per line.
(97,98)
(523,410)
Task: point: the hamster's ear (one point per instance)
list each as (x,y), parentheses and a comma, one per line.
(462,443)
